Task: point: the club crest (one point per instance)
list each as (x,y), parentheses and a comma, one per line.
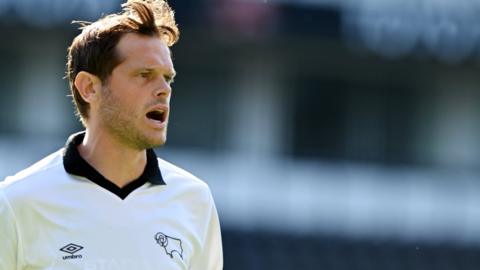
(170,244)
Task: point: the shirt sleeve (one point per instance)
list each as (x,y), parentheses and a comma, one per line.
(8,235)
(211,256)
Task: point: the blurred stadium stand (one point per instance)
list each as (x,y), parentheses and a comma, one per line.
(265,250)
(334,134)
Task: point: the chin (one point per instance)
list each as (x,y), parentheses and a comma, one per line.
(161,143)
(150,139)
(158,141)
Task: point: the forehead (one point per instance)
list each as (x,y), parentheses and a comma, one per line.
(136,50)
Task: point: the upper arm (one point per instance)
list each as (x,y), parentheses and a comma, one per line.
(211,255)
(8,235)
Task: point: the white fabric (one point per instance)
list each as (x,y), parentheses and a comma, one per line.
(44,209)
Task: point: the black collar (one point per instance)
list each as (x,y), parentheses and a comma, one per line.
(76,165)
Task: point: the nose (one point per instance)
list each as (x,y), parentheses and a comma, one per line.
(163,89)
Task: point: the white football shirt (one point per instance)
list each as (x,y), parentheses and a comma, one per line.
(60,213)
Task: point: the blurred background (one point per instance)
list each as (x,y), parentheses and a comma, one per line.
(333,134)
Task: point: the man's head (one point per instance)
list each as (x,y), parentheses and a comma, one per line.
(95,50)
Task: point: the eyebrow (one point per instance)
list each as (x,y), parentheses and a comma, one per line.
(169,74)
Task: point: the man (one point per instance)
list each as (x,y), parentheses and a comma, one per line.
(105,201)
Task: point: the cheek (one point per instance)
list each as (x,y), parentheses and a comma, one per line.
(122,93)
(129,96)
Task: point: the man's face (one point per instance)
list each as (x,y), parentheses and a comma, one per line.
(135,100)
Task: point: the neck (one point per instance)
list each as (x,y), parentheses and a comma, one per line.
(115,161)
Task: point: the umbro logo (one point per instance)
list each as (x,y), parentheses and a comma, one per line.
(71,249)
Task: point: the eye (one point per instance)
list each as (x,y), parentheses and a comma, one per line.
(145,74)
(169,79)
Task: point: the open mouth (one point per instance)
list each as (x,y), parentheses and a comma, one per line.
(157,116)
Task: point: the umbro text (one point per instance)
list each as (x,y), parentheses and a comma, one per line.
(71,257)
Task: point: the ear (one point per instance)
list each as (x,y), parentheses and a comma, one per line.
(88,86)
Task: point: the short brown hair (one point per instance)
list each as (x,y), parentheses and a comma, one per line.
(93,50)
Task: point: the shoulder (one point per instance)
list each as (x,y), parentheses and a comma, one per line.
(29,178)
(179,178)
